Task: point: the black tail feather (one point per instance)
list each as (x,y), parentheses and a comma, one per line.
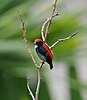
(51,66)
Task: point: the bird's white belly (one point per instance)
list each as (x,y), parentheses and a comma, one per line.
(41,57)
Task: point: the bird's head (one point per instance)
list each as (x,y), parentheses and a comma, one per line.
(38,42)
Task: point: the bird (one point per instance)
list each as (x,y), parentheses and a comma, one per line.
(43,51)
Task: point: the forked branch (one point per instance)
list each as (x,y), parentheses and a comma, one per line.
(44,25)
(33,59)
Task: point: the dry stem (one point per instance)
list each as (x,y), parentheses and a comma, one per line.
(33,59)
(25,40)
(51,16)
(61,40)
(30,92)
(39,81)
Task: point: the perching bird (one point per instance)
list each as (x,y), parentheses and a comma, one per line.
(43,52)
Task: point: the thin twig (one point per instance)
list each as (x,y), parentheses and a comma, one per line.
(61,40)
(39,81)
(51,16)
(30,92)
(44,25)
(25,40)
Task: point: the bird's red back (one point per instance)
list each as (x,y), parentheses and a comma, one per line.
(48,50)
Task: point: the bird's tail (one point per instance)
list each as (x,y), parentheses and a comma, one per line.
(51,66)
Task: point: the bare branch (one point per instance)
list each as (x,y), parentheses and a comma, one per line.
(51,16)
(61,40)
(42,29)
(33,59)
(44,25)
(30,92)
(25,40)
(39,81)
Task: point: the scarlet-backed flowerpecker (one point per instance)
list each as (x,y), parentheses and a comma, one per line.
(43,52)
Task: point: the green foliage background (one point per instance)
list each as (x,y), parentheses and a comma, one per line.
(15,62)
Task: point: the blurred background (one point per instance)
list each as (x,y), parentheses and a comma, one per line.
(68,79)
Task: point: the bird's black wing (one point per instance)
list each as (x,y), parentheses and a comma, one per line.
(42,51)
